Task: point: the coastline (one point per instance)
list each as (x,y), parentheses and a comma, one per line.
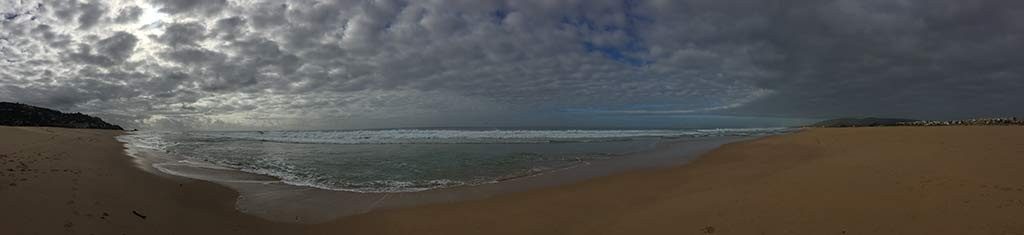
(273,199)
(886,180)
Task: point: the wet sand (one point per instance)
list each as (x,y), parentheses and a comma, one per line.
(287,203)
(899,180)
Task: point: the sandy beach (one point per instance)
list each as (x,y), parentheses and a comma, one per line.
(79,181)
(892,180)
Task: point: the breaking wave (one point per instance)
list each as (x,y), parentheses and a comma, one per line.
(401,160)
(419,136)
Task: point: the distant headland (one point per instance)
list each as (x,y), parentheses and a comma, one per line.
(869,122)
(15,114)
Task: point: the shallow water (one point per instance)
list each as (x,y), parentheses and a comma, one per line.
(398,160)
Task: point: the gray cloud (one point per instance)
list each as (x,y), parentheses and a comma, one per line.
(91,13)
(200,6)
(194,56)
(177,34)
(229,28)
(393,63)
(128,14)
(109,51)
(117,47)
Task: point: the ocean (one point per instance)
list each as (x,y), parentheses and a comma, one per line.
(399,160)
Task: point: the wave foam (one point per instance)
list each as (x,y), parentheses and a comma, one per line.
(295,173)
(417,136)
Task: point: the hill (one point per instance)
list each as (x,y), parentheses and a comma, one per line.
(15,114)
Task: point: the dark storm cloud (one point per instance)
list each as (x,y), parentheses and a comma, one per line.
(295,63)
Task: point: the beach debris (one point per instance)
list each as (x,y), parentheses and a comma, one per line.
(139,215)
(708,229)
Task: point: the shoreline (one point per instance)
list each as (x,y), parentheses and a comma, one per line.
(886,180)
(270,198)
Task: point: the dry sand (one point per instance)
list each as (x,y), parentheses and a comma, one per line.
(78,181)
(899,180)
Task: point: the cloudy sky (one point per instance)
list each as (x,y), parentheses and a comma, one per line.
(352,64)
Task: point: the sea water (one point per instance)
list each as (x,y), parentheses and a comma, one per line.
(403,160)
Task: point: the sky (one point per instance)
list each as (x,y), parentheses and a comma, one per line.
(308,64)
